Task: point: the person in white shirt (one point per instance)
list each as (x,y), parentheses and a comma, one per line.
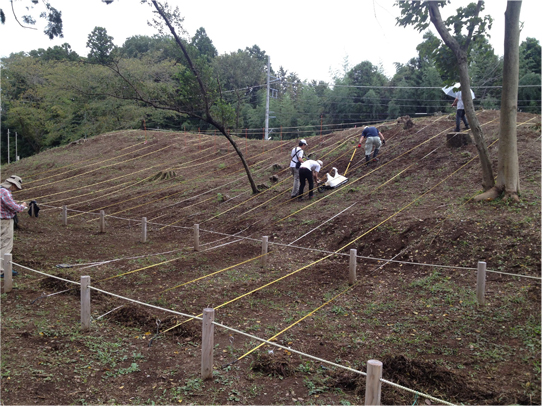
(460,115)
(308,172)
(296,159)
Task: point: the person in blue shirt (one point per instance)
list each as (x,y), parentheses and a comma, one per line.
(372,137)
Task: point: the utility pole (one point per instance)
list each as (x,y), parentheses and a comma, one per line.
(267,100)
(16,156)
(8,146)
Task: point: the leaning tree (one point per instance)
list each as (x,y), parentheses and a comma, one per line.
(458,32)
(210,106)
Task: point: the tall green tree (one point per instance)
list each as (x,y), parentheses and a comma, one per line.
(101,45)
(529,76)
(240,76)
(204,45)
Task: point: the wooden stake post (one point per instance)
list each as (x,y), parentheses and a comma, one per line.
(265,246)
(207,343)
(481,283)
(144,229)
(8,277)
(102,221)
(85,302)
(373,385)
(352,267)
(64,215)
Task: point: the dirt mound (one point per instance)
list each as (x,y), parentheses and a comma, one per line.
(138,317)
(274,362)
(57,285)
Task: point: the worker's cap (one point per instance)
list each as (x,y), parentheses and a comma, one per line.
(365,127)
(320,163)
(15,180)
(303,142)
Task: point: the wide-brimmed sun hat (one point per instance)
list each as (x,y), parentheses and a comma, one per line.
(320,163)
(15,180)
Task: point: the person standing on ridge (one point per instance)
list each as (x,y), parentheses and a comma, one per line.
(460,115)
(296,159)
(8,209)
(309,172)
(372,138)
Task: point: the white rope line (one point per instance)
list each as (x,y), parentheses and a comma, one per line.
(54,294)
(513,274)
(209,191)
(46,274)
(145,304)
(228,236)
(110,311)
(128,258)
(327,221)
(222,245)
(91,264)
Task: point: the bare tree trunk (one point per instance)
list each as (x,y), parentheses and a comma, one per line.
(508,168)
(208,117)
(508,165)
(461,55)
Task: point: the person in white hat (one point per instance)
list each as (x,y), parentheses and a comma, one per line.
(296,159)
(309,172)
(8,209)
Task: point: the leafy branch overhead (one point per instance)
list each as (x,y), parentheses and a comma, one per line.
(464,28)
(51,15)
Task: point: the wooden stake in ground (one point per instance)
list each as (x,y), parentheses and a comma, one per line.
(207,343)
(265,245)
(373,385)
(85,302)
(352,267)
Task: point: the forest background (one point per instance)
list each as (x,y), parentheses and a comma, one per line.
(54,96)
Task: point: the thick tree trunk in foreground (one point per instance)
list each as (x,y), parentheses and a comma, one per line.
(508,166)
(461,55)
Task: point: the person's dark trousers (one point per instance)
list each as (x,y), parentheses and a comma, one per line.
(305,175)
(460,115)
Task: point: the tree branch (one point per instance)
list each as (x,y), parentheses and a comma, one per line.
(449,40)
(473,25)
(16,19)
(187,56)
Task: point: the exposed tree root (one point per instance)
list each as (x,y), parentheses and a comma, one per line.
(495,192)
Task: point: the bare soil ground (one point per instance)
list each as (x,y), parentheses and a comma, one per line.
(417,313)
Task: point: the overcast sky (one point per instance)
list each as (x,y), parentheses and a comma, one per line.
(309,38)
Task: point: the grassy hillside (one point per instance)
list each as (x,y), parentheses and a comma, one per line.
(418,236)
